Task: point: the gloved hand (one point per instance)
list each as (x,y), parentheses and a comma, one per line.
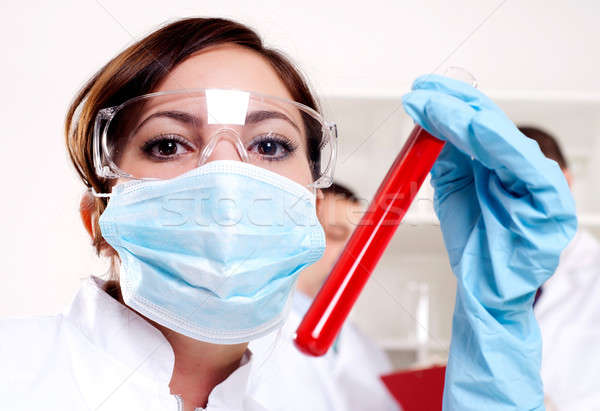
(506,213)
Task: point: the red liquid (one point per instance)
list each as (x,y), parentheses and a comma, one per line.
(333,303)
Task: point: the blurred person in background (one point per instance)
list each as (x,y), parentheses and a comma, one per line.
(355,360)
(349,373)
(567,308)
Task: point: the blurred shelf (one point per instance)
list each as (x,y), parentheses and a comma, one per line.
(420,235)
(420,220)
(411,344)
(589,220)
(585,220)
(562,96)
(545,96)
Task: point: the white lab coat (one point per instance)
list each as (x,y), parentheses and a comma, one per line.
(101,355)
(348,374)
(568,312)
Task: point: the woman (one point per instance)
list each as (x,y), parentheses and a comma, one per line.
(203,150)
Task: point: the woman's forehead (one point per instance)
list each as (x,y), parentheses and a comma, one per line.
(226,66)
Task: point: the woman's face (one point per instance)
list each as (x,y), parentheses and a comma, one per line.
(223,67)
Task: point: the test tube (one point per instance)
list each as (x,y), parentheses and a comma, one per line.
(333,303)
(330,308)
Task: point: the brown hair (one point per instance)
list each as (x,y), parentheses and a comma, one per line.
(340,190)
(547,143)
(141,67)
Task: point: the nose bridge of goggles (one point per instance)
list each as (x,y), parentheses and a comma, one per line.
(224,135)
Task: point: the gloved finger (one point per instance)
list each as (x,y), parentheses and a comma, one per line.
(493,140)
(452,179)
(543,218)
(517,160)
(451,172)
(456,88)
(487,136)
(443,116)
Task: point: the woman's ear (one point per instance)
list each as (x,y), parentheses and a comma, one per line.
(87,211)
(320,203)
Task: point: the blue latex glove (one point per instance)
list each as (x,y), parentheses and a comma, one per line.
(506,213)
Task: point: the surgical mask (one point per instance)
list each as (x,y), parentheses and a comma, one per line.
(214,253)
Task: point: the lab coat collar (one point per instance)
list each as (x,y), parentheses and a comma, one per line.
(120,332)
(230,394)
(125,336)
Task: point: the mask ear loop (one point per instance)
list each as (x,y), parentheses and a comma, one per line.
(99,195)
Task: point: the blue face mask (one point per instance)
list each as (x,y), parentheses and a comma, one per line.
(214,253)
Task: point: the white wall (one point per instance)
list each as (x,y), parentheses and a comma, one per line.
(51,48)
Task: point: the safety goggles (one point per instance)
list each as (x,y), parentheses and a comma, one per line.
(163,135)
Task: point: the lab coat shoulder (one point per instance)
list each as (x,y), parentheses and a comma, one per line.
(34,357)
(356,346)
(38,336)
(286,380)
(99,354)
(568,313)
(78,360)
(359,365)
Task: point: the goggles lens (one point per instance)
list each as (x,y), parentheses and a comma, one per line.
(163,135)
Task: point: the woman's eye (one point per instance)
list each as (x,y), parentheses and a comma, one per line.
(272,148)
(166,147)
(268,148)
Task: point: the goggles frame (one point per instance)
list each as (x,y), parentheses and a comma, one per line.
(105,167)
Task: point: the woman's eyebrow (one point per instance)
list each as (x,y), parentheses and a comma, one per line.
(187,118)
(180,116)
(261,115)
